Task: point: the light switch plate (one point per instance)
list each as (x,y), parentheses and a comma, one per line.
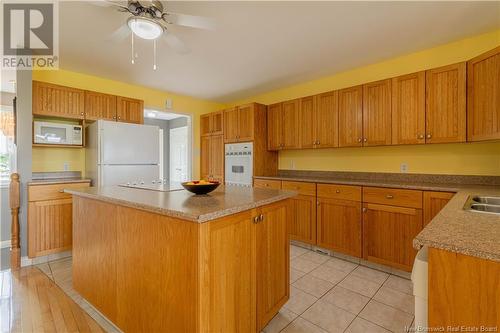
(403,167)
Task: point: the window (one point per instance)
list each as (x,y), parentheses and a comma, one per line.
(7,147)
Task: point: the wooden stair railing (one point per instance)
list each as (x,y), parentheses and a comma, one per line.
(14,200)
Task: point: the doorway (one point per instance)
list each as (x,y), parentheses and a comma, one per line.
(179,154)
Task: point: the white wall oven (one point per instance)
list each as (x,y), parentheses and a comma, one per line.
(53,133)
(238,163)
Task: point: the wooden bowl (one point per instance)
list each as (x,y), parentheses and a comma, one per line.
(199,189)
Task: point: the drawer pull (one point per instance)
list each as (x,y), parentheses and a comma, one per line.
(61,191)
(267,184)
(337,191)
(389,196)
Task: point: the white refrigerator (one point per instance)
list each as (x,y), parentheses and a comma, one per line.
(120,153)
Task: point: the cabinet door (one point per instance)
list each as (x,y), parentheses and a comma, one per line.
(230,125)
(245,123)
(217,157)
(57,101)
(205,156)
(273,261)
(339,225)
(445,104)
(408,109)
(483,97)
(205,124)
(308,122)
(49,227)
(388,233)
(303,220)
(290,118)
(433,203)
(351,117)
(217,123)
(377,113)
(129,110)
(99,106)
(326,120)
(274,126)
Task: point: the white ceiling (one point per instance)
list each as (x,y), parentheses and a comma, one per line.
(260,46)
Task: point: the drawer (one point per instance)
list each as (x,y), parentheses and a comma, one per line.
(267,183)
(343,192)
(52,191)
(393,197)
(301,187)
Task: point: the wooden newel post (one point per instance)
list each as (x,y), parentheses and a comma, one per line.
(14,198)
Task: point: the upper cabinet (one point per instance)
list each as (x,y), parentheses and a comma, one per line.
(211,124)
(483,97)
(58,101)
(239,123)
(319,121)
(65,102)
(283,125)
(408,109)
(350,117)
(377,113)
(445,104)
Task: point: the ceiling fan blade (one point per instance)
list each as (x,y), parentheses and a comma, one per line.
(119,34)
(191,21)
(121,5)
(175,43)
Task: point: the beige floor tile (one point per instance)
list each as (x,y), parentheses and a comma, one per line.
(341,265)
(399,284)
(376,266)
(386,316)
(295,275)
(370,274)
(329,274)
(313,285)
(315,257)
(300,325)
(303,265)
(346,299)
(360,325)
(361,286)
(396,299)
(329,317)
(296,251)
(280,321)
(299,300)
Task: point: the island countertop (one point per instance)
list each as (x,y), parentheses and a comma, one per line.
(224,201)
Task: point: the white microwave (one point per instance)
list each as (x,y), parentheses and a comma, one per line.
(57,133)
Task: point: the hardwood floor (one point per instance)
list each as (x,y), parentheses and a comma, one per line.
(31,302)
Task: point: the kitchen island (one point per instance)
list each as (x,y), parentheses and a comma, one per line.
(153,261)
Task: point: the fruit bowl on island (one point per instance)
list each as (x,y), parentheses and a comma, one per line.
(201,186)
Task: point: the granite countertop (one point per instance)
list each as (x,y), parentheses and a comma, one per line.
(224,201)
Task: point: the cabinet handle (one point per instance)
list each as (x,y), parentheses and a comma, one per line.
(318,143)
(267,185)
(365,140)
(389,196)
(337,191)
(261,218)
(256,219)
(318,203)
(429,136)
(359,139)
(364,210)
(61,191)
(420,136)
(81,113)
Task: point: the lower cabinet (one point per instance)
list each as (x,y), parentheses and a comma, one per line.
(433,203)
(388,233)
(339,225)
(303,220)
(273,260)
(212,157)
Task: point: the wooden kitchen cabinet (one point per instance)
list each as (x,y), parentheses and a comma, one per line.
(50,218)
(274,126)
(212,123)
(212,157)
(231,125)
(57,101)
(302,222)
(350,108)
(388,233)
(319,121)
(433,202)
(100,106)
(129,110)
(377,113)
(273,260)
(408,109)
(446,104)
(239,123)
(267,183)
(283,125)
(483,96)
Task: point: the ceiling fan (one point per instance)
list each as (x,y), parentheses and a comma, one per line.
(150,21)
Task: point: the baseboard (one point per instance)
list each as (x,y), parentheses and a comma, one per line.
(25,261)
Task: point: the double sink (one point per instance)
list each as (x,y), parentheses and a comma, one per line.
(483,204)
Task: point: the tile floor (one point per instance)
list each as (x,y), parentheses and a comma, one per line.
(328,294)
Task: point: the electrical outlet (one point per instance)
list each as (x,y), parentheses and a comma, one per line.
(403,167)
(66,166)
(292,165)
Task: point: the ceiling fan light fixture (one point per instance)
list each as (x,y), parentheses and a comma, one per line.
(145,28)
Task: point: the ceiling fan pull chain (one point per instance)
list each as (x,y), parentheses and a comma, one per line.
(133,53)
(154,55)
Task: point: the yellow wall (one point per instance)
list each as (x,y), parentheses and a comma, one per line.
(480,159)
(53,159)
